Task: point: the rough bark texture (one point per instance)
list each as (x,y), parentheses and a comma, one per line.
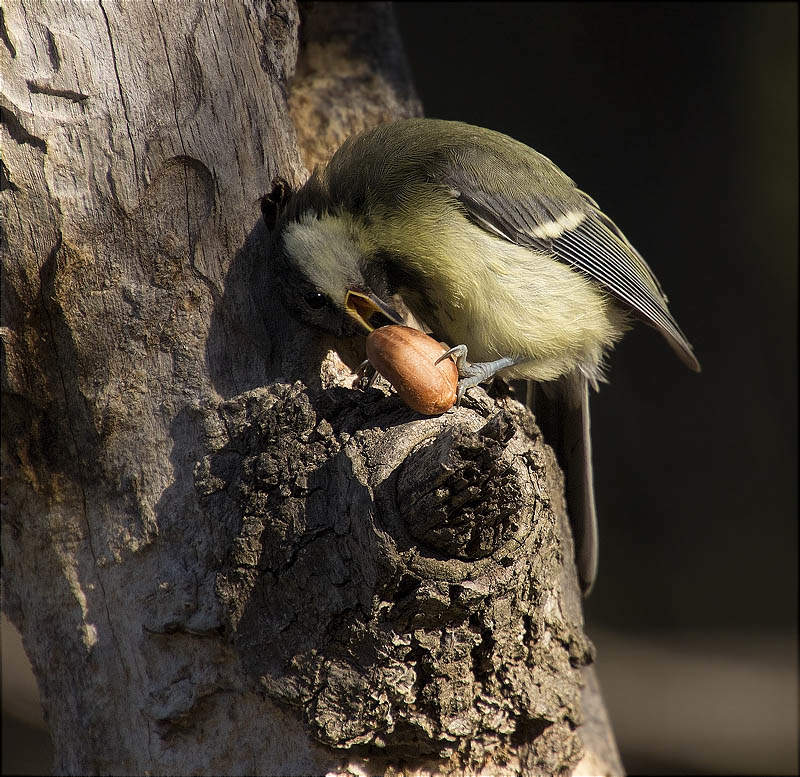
(221,558)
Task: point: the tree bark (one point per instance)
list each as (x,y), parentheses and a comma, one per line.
(221,557)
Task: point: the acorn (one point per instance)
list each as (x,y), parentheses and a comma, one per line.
(406,358)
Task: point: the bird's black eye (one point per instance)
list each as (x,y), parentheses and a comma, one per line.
(316,300)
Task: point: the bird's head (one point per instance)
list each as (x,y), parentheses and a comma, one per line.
(320,267)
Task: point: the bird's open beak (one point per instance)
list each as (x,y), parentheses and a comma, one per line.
(370,311)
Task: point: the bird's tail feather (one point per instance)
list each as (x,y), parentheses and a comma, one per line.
(562,413)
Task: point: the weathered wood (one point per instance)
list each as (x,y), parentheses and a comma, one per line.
(402,642)
(221,558)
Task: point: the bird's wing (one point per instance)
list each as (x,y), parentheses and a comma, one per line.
(568,225)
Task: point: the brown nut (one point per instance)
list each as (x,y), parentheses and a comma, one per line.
(405,357)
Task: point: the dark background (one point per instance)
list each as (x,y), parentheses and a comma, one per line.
(681,121)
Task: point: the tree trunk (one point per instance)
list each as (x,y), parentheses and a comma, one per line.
(222,559)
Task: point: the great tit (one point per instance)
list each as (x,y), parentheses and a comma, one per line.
(496,251)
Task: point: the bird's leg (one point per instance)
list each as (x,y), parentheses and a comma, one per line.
(472,373)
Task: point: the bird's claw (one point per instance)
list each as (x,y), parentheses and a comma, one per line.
(459,352)
(366,375)
(469,375)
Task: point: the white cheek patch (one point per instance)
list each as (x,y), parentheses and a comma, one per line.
(554,229)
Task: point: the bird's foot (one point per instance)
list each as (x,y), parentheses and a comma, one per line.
(472,373)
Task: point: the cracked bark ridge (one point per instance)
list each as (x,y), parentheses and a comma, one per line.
(459,493)
(383,593)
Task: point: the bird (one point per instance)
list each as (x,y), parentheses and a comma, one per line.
(498,253)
